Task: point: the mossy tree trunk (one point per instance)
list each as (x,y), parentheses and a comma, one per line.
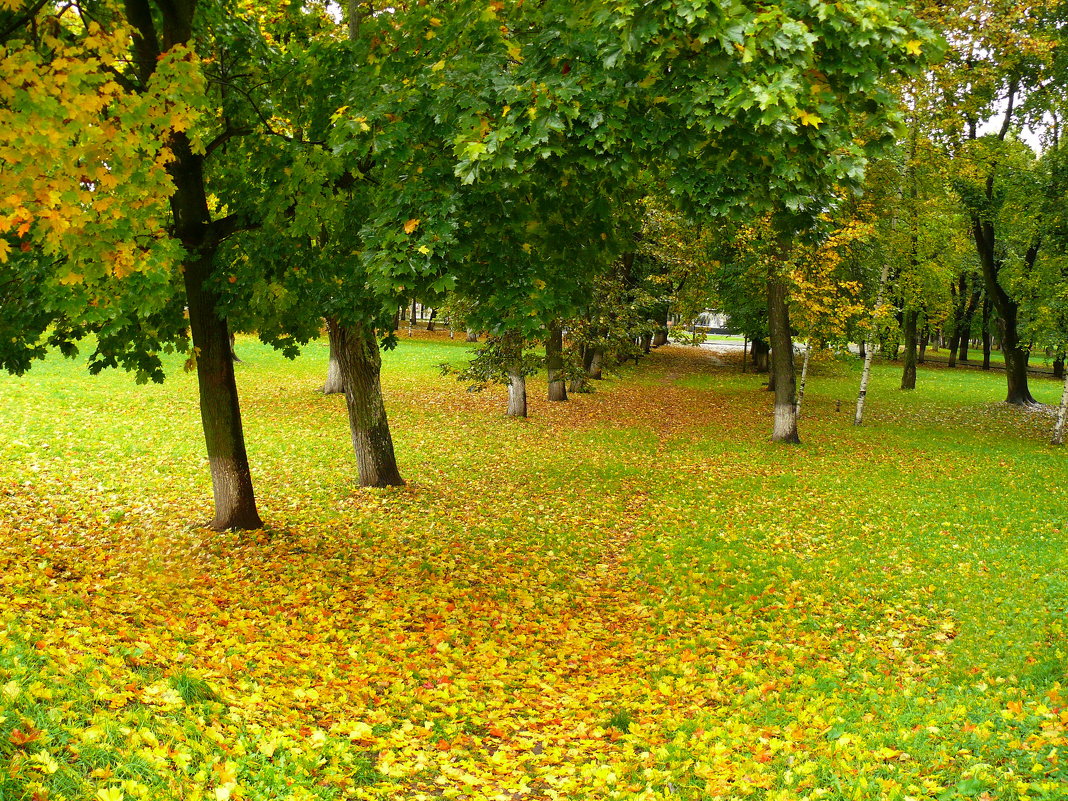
(360,362)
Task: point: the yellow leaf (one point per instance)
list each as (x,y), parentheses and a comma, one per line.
(109,794)
(439,66)
(4,248)
(914,47)
(411,225)
(808,118)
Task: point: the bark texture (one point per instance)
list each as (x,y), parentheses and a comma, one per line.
(333,385)
(517,394)
(782,364)
(908,372)
(858,417)
(554,363)
(596,364)
(804,378)
(201,236)
(361,365)
(1058,430)
(220,411)
(760,352)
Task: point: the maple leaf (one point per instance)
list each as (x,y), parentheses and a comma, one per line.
(411,225)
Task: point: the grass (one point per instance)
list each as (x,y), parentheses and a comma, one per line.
(631,595)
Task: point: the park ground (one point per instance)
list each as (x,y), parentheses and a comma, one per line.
(632,595)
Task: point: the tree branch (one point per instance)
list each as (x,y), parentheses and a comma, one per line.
(28,16)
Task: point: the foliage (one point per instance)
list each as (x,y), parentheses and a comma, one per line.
(589,605)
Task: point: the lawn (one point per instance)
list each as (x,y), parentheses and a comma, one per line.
(632,595)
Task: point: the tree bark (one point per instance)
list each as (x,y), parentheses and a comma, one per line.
(804,378)
(1058,367)
(220,411)
(782,362)
(361,364)
(966,324)
(1058,429)
(760,351)
(858,417)
(517,394)
(472,335)
(596,364)
(431,325)
(1016,355)
(554,362)
(986,333)
(908,373)
(334,385)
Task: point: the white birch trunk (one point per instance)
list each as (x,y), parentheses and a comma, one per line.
(1058,430)
(804,377)
(858,419)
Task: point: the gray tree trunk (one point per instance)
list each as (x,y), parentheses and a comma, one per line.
(782,364)
(361,364)
(596,363)
(804,378)
(517,395)
(908,373)
(554,362)
(333,385)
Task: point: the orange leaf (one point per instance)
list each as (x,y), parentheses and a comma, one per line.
(411,225)
(20,738)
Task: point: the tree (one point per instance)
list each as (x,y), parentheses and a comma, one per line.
(999,72)
(137,72)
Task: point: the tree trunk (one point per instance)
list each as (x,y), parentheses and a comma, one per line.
(1016,355)
(517,395)
(581,383)
(782,363)
(334,385)
(554,362)
(1058,430)
(804,378)
(908,373)
(220,411)
(596,363)
(472,335)
(660,338)
(966,324)
(431,325)
(863,350)
(200,235)
(865,375)
(745,344)
(954,347)
(1058,367)
(925,337)
(647,343)
(361,364)
(760,351)
(986,333)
